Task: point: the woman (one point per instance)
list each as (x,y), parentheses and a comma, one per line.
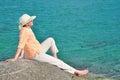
(34,50)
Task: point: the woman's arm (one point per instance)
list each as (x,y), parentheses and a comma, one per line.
(16,55)
(22,41)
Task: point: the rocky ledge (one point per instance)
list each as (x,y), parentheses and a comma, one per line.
(34,70)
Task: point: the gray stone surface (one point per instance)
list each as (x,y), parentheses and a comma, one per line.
(34,70)
(31,70)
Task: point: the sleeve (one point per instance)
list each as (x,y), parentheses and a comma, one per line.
(23,38)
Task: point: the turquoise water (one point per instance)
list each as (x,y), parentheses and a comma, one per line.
(87,32)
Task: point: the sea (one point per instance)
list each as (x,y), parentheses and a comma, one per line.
(87,32)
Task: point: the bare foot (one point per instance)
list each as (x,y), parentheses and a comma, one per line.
(81,72)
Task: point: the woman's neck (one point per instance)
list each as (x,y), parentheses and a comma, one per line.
(28,27)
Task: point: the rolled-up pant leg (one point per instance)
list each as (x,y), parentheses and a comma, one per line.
(49,44)
(54,61)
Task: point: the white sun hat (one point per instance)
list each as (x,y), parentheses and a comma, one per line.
(24,19)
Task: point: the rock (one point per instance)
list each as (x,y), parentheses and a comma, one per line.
(31,70)
(34,70)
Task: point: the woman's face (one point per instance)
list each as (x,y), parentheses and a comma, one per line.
(30,23)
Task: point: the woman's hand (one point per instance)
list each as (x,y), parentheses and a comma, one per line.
(10,60)
(16,56)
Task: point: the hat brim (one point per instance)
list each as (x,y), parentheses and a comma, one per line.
(31,19)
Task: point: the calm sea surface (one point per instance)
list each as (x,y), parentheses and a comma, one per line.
(87,32)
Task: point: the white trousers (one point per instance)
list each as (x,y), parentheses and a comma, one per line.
(50,44)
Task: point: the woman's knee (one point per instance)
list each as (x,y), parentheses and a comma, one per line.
(51,39)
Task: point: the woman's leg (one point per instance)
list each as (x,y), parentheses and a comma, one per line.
(59,63)
(49,44)
(54,61)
